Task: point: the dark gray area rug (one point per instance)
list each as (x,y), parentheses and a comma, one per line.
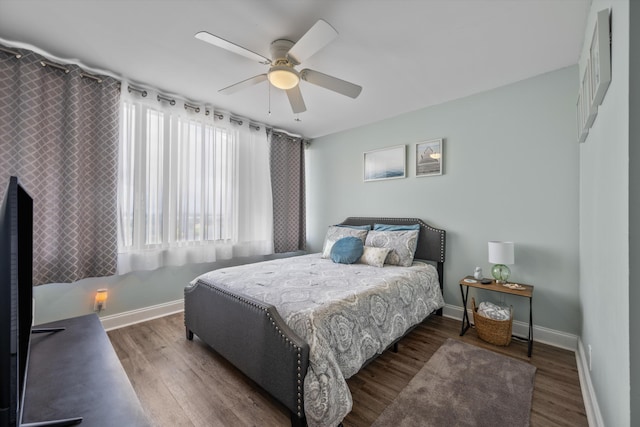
(464,385)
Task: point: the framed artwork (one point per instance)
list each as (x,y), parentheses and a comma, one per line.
(580,118)
(596,77)
(429,158)
(600,59)
(589,109)
(385,163)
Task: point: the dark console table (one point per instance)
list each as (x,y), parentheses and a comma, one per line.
(76,373)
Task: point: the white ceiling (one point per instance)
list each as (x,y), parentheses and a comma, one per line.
(406,54)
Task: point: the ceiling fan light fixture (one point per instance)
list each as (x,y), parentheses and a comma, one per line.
(283,77)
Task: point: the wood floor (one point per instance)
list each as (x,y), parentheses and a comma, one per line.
(185,383)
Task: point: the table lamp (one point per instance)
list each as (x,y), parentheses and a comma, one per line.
(500,254)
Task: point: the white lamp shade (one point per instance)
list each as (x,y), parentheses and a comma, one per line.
(501,252)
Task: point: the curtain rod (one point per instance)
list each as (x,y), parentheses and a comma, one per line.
(92,77)
(18,55)
(189,106)
(171,101)
(56,66)
(207,111)
(193,107)
(142,92)
(50,57)
(294,135)
(239,123)
(60,67)
(217,115)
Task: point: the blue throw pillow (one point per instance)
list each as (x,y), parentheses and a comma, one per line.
(347,250)
(392,227)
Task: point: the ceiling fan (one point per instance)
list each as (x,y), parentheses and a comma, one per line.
(285,56)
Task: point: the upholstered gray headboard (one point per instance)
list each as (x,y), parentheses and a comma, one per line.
(431,240)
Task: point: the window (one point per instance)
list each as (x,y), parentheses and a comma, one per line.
(191,188)
(176,180)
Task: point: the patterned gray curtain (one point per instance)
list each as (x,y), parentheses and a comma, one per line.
(59,136)
(287,182)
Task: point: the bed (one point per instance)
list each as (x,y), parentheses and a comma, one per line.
(321,326)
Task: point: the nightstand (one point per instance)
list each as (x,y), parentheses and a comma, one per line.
(527,292)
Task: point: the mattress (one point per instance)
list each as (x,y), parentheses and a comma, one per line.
(347,313)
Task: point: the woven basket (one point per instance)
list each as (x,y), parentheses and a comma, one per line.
(496,332)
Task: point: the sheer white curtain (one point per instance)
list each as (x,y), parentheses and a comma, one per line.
(255,200)
(192,188)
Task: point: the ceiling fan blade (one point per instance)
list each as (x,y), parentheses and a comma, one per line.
(231,47)
(243,84)
(313,40)
(295,99)
(332,83)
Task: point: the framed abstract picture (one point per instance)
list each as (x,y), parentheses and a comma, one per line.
(429,158)
(385,163)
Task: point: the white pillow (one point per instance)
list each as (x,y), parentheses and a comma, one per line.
(374,256)
(402,244)
(326,252)
(335,233)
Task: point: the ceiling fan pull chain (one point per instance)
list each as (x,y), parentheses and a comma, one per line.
(269,97)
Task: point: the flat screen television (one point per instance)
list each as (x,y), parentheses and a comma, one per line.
(16,306)
(16,303)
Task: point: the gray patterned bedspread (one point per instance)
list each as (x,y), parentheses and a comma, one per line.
(346,313)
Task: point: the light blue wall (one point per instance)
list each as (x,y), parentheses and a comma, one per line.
(634,211)
(131,291)
(128,292)
(605,228)
(510,173)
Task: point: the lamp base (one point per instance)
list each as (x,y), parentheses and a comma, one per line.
(501,273)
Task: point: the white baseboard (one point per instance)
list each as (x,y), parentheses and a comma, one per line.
(521,329)
(132,317)
(594,417)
